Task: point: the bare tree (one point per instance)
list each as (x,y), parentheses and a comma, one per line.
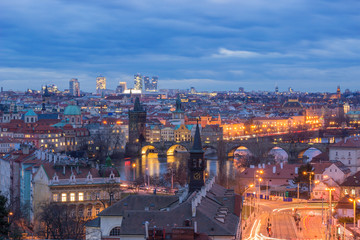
(60,221)
(107,140)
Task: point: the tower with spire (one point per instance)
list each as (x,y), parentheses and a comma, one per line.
(178,116)
(196,164)
(137,127)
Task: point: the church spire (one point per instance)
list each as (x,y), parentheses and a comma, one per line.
(196,164)
(197,146)
(137,105)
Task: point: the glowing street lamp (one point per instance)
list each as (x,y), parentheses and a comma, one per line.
(134,166)
(330,209)
(310,174)
(354,201)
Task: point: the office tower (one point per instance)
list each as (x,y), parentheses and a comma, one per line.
(147,83)
(121,87)
(100,84)
(138,85)
(74,87)
(154,83)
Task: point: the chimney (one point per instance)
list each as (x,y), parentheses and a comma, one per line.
(281,165)
(147,230)
(274,169)
(296,170)
(25,149)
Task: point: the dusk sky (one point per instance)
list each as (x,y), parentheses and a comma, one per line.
(208,44)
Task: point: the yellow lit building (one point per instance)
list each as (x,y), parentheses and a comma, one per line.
(233,130)
(182,133)
(100,84)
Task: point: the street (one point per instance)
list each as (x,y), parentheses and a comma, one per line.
(276,220)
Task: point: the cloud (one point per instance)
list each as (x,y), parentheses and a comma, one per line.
(234,42)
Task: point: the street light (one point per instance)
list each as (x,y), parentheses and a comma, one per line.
(10,214)
(134,166)
(260,179)
(354,201)
(245,195)
(330,210)
(310,174)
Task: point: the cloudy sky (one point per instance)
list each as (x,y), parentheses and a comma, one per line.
(208,44)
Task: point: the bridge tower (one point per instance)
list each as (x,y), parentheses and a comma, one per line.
(137,130)
(196,164)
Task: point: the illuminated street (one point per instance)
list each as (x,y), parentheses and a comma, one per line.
(283,226)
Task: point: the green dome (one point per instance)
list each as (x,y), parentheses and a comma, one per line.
(30,113)
(72,110)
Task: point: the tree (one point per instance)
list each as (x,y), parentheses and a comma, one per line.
(108,140)
(60,221)
(4,215)
(305,173)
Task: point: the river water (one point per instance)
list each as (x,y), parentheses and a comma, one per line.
(156,167)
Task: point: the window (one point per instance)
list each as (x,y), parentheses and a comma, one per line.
(55,197)
(352,191)
(63,197)
(346,191)
(97,210)
(89,212)
(336,153)
(81,196)
(88,196)
(349,154)
(115,231)
(349,161)
(72,197)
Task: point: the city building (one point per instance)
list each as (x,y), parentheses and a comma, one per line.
(178,116)
(203,209)
(72,115)
(147,84)
(346,151)
(121,87)
(74,87)
(154,83)
(100,84)
(138,82)
(182,133)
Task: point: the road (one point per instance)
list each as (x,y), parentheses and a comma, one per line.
(279,216)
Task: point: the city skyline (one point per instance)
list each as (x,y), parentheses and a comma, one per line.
(210,45)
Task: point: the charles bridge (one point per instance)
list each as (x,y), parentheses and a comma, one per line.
(226,149)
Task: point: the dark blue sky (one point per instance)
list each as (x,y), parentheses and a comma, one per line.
(209,44)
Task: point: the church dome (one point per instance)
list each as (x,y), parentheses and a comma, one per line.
(72,110)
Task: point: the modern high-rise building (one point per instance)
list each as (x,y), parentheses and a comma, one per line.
(100,84)
(138,84)
(121,87)
(147,83)
(154,83)
(74,87)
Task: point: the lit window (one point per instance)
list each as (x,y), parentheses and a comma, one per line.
(63,197)
(72,197)
(81,196)
(352,191)
(55,197)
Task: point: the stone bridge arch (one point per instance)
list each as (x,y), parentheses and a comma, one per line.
(145,150)
(171,150)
